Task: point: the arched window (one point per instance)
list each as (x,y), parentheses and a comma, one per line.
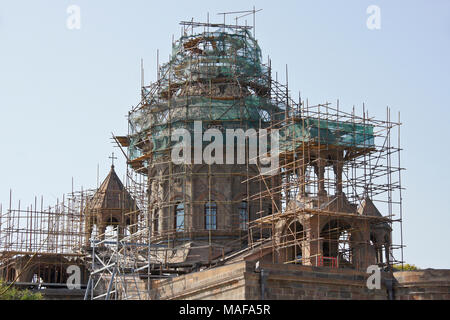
(337,244)
(211,216)
(243,215)
(179,217)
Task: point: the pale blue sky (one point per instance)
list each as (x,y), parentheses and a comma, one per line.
(62,92)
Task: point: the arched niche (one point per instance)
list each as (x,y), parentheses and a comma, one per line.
(337,241)
(292,242)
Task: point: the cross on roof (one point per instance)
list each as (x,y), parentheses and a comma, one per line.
(112,159)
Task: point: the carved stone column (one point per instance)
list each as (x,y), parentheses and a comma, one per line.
(337,168)
(319,169)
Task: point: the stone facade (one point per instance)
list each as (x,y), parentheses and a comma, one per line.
(224,283)
(426,284)
(194,187)
(245,281)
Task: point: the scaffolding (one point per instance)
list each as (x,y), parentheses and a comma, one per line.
(38,243)
(334,167)
(332,201)
(216,77)
(317,208)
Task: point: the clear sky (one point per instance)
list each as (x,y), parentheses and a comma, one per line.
(62,92)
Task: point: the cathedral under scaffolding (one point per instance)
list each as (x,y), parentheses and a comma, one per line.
(332,202)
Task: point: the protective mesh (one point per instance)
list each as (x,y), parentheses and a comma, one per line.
(219,54)
(218,78)
(211,77)
(326,132)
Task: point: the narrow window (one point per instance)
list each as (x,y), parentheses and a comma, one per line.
(243,215)
(211,216)
(179,217)
(155,221)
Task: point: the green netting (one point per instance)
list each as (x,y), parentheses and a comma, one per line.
(325,132)
(341,134)
(250,108)
(218,77)
(158,125)
(218,54)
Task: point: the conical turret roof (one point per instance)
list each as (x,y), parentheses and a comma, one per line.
(113,195)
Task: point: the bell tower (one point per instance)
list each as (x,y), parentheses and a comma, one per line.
(111,205)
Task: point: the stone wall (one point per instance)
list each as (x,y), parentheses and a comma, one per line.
(223,283)
(426,284)
(62,294)
(295,282)
(240,281)
(243,281)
